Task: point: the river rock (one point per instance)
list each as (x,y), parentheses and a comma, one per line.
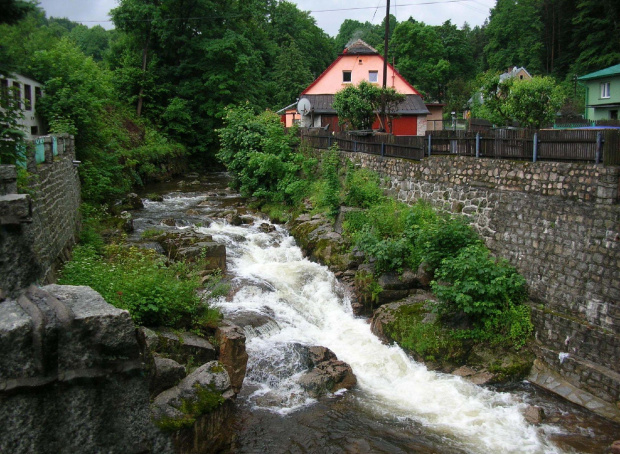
(176,404)
(126,221)
(170,222)
(385,314)
(328,374)
(234,219)
(266,228)
(183,347)
(134,201)
(535,415)
(165,373)
(615,447)
(233,355)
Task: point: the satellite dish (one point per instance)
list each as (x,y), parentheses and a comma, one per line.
(304,106)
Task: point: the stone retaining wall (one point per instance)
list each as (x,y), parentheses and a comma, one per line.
(38,230)
(559,225)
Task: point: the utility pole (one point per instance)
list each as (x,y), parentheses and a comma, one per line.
(385,63)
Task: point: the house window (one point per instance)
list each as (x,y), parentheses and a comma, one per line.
(373,76)
(17,92)
(613,114)
(34,130)
(37,94)
(605,90)
(4,92)
(346,77)
(28,97)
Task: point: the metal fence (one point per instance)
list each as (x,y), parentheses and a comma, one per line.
(596,146)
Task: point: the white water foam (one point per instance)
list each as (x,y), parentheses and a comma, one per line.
(309,308)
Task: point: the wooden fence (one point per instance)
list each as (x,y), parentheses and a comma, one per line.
(596,146)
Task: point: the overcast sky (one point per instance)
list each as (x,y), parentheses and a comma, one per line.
(329,14)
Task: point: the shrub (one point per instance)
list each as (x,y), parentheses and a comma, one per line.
(489,291)
(444,239)
(137,280)
(362,188)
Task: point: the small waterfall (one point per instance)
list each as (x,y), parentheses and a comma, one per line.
(305,305)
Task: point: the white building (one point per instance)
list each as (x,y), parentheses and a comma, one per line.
(28,91)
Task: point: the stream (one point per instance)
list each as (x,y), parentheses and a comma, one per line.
(398,406)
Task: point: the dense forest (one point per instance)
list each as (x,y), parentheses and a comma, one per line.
(157,86)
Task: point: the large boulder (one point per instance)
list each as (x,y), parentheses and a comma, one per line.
(182,347)
(201,392)
(165,373)
(190,246)
(327,373)
(233,355)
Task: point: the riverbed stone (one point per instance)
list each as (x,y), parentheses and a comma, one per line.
(134,201)
(327,373)
(534,414)
(233,356)
(615,447)
(165,374)
(184,347)
(181,405)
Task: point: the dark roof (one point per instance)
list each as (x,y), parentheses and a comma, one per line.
(412,105)
(359,47)
(611,71)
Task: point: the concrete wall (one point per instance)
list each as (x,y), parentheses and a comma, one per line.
(559,225)
(38,230)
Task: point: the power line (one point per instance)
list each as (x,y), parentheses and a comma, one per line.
(431,2)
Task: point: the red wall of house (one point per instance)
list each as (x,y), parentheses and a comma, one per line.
(401,126)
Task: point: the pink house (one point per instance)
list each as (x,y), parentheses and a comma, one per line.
(358,62)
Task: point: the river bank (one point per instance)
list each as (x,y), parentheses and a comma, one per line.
(338,422)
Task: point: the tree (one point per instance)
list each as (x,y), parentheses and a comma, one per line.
(11,134)
(534,103)
(12,11)
(291,74)
(358,105)
(419,54)
(515,36)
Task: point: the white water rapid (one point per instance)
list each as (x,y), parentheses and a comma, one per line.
(304,304)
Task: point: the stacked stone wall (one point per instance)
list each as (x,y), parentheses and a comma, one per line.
(38,230)
(559,225)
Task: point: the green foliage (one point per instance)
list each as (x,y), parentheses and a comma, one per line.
(430,341)
(534,103)
(443,239)
(11,133)
(329,193)
(357,106)
(137,280)
(367,286)
(489,291)
(259,153)
(362,188)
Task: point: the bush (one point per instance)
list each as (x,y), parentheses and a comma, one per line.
(258,152)
(138,280)
(489,291)
(362,188)
(444,239)
(330,187)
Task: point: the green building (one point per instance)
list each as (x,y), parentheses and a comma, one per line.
(602,93)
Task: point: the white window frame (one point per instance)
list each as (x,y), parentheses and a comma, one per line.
(350,73)
(376,74)
(605,92)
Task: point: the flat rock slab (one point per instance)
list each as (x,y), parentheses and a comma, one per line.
(182,346)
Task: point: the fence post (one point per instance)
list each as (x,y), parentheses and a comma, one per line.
(429,145)
(535,147)
(599,146)
(477,144)
(354,145)
(382,149)
(329,141)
